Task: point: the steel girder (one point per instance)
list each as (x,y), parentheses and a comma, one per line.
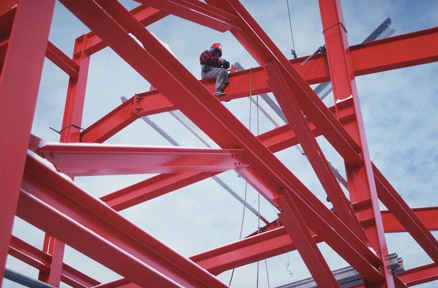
(22,58)
(219,16)
(89,159)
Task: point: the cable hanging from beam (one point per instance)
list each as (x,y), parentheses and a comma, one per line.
(291,31)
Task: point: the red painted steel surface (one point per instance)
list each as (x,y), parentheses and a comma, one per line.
(243,252)
(89,159)
(152,188)
(305,243)
(76,213)
(111,239)
(361,185)
(41,261)
(24,60)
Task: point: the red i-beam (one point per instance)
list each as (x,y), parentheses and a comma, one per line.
(361,185)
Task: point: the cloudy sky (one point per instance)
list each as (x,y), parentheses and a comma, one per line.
(399,109)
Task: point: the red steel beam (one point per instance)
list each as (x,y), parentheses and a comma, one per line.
(246,251)
(314,71)
(74,104)
(428,216)
(121,283)
(91,43)
(266,172)
(90,159)
(60,208)
(75,235)
(7,5)
(41,260)
(197,12)
(61,60)
(405,215)
(70,132)
(361,185)
(29,254)
(416,276)
(281,85)
(75,278)
(420,275)
(297,229)
(275,242)
(24,60)
(151,188)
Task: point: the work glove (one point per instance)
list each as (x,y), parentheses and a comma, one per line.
(224,63)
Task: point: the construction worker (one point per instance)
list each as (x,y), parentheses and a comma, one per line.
(213,66)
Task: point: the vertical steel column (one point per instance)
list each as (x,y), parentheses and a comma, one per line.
(19,84)
(73,113)
(74,105)
(361,183)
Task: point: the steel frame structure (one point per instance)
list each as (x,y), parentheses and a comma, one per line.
(38,193)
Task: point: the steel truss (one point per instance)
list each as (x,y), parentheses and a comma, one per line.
(36,191)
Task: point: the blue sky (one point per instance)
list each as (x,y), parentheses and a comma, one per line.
(399,109)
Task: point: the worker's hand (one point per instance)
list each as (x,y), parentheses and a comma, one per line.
(224,63)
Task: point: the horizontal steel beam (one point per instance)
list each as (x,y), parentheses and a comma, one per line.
(29,254)
(79,159)
(152,188)
(276,241)
(367,58)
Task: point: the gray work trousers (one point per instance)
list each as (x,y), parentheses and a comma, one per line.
(220,74)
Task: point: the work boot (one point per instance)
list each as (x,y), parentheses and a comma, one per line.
(219,93)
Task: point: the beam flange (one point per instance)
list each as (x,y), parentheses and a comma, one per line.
(79,159)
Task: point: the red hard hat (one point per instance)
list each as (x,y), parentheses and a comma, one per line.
(217,46)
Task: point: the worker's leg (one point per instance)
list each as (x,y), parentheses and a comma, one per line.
(221,79)
(221,76)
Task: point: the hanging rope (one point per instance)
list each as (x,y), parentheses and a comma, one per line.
(287,266)
(241,226)
(246,183)
(267,274)
(291,31)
